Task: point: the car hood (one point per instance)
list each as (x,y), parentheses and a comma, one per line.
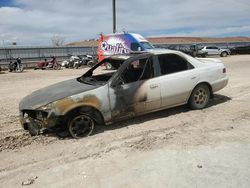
(53,93)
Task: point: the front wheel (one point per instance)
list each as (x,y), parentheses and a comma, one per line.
(200,97)
(81,125)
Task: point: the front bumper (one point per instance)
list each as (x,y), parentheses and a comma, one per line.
(37,119)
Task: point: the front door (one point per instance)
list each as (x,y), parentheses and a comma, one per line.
(136,91)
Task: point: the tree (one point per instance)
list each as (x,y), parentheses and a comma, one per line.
(57,40)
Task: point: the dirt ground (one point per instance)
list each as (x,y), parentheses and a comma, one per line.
(172,148)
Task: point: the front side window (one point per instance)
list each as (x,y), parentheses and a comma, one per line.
(172,63)
(98,75)
(140,69)
(135,46)
(147,45)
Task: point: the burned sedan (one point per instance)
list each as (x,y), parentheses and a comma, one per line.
(143,83)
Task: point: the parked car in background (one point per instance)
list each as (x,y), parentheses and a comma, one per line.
(240,50)
(196,51)
(214,50)
(143,83)
(193,50)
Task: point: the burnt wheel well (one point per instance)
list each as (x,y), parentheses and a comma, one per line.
(91,111)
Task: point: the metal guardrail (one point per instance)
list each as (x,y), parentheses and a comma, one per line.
(40,53)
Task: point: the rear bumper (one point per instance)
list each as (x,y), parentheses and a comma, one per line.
(219,84)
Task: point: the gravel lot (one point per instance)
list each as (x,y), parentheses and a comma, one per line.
(172,148)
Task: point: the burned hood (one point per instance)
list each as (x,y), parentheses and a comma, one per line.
(53,93)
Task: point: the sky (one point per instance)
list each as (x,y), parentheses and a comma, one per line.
(35,22)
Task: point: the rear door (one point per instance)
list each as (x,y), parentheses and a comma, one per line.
(178,78)
(214,50)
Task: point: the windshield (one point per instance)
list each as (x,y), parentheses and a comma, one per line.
(147,45)
(102,72)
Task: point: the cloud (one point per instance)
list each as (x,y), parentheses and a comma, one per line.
(34,22)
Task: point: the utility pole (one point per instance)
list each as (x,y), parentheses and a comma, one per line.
(114,17)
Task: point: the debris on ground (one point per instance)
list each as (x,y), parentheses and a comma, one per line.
(29,181)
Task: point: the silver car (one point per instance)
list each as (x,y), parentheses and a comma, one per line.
(143,83)
(214,50)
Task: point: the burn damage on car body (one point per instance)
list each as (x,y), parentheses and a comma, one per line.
(49,107)
(107,98)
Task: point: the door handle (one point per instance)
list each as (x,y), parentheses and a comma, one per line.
(153,86)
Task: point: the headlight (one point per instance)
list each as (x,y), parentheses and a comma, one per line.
(47,107)
(39,115)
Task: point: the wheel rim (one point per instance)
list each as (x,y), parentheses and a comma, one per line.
(200,96)
(81,126)
(108,66)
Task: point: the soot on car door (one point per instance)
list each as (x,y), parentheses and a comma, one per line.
(136,90)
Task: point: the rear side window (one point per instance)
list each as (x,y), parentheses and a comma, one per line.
(171,63)
(212,48)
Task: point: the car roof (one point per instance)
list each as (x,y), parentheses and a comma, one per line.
(133,54)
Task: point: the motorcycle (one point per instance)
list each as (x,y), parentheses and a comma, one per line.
(77,61)
(16,66)
(73,62)
(41,65)
(53,64)
(89,60)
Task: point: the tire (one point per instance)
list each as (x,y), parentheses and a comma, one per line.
(81,125)
(199,97)
(204,55)
(33,129)
(57,67)
(223,54)
(20,69)
(109,66)
(91,64)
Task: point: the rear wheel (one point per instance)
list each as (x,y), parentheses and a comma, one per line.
(91,64)
(81,125)
(224,54)
(57,67)
(109,66)
(204,55)
(200,97)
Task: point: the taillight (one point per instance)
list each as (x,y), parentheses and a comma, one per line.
(224,70)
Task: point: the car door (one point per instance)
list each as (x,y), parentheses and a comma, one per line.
(135,90)
(215,50)
(178,78)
